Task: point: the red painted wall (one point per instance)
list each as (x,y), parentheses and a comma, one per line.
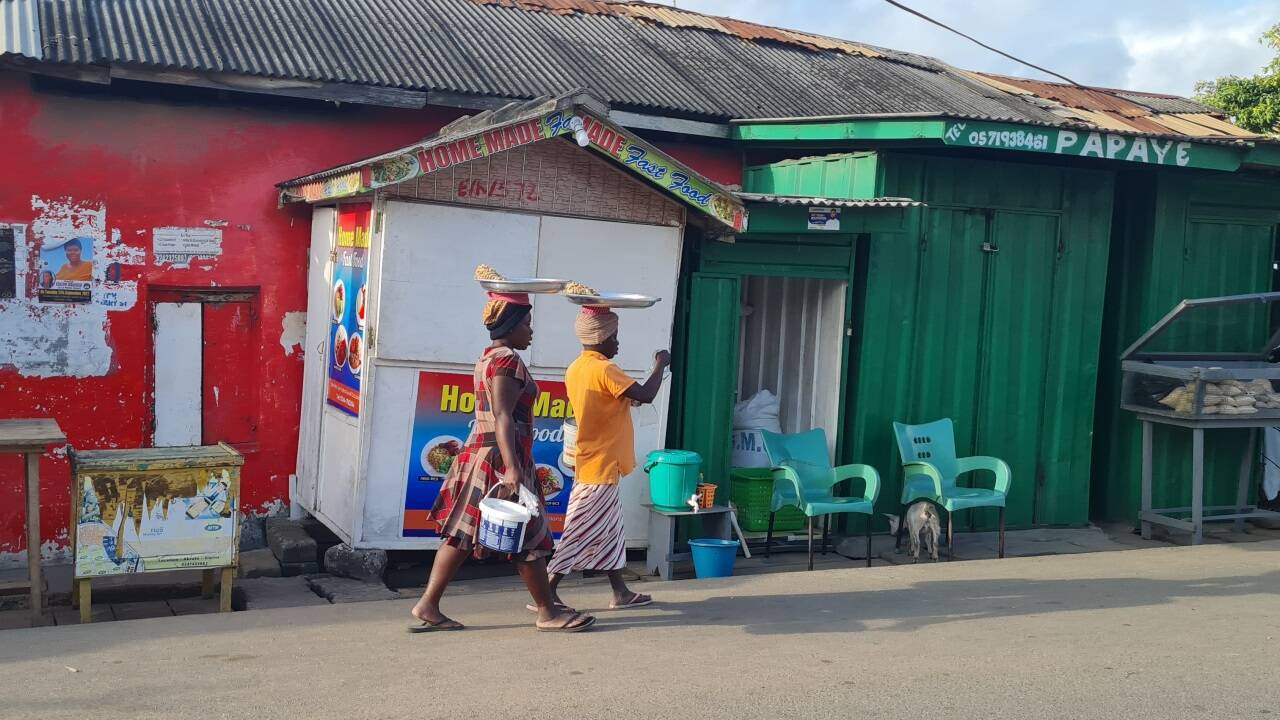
(153,163)
(721,163)
(157,160)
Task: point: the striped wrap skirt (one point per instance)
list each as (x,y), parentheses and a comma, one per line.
(592,537)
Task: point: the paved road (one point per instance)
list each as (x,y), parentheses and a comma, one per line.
(1133,635)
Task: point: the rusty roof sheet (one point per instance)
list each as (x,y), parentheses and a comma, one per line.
(1122,110)
(676,18)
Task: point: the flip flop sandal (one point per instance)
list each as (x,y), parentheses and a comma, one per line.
(568,626)
(560,606)
(444,625)
(636,601)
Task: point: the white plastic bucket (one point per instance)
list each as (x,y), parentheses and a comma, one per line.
(502,524)
(570,443)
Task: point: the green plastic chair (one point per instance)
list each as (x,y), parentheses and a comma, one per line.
(803,477)
(931,467)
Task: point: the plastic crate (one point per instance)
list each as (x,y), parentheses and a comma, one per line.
(753,494)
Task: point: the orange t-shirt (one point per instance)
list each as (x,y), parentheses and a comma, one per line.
(606,441)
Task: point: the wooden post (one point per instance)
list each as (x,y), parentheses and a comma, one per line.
(33,535)
(224,600)
(206,584)
(86,601)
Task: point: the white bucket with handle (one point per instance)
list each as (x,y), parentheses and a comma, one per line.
(502,524)
(569,455)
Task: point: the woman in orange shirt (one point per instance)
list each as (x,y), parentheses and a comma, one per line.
(601,396)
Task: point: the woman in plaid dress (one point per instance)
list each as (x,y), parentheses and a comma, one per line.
(499,451)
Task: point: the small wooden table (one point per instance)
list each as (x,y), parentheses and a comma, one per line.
(662,535)
(31,438)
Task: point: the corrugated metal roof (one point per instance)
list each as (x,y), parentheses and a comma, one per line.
(1122,110)
(637,56)
(826,202)
(20,29)
(474,47)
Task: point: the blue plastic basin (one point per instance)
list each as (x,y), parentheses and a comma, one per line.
(713,558)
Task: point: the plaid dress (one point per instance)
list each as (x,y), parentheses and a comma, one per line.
(479,465)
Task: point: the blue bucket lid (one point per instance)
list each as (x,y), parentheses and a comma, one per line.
(675,457)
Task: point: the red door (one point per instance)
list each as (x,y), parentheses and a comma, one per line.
(230,382)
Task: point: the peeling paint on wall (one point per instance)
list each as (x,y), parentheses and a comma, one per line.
(52,552)
(47,340)
(293,331)
(115,251)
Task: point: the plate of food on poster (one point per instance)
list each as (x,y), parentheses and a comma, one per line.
(355,353)
(550,481)
(341,347)
(439,454)
(339,300)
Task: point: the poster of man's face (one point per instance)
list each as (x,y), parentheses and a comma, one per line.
(66,270)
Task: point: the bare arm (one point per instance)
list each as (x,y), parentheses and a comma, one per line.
(645,392)
(506,393)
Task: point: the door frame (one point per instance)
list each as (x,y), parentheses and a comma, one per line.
(157,295)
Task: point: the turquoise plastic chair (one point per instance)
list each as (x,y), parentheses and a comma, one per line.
(931,467)
(803,477)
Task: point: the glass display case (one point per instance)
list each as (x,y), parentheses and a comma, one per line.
(1209,359)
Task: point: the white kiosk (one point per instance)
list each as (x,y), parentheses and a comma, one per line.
(547,188)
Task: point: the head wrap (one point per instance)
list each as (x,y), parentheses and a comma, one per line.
(504,312)
(595,325)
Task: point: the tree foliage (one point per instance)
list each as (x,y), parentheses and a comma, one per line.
(1252,102)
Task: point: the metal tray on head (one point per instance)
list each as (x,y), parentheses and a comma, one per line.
(614,300)
(539,286)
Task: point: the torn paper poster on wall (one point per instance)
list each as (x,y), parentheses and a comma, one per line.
(40,339)
(65,234)
(8,260)
(179,246)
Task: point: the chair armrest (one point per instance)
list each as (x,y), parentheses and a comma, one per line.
(867,473)
(786,477)
(995,466)
(928,470)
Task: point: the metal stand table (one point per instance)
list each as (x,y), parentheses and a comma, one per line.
(662,535)
(1237,513)
(31,438)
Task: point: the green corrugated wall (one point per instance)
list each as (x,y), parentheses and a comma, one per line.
(1185,235)
(1003,340)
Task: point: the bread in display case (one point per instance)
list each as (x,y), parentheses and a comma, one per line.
(1207,359)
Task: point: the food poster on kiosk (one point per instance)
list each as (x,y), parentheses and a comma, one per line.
(443,416)
(346,326)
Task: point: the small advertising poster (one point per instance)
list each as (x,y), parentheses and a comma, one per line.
(140,521)
(346,326)
(443,416)
(824,219)
(8,266)
(65,272)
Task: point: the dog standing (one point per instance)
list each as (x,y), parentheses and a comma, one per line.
(924,527)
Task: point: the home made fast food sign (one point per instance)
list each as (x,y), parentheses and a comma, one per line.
(640,158)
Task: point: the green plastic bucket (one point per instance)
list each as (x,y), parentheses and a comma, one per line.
(673,478)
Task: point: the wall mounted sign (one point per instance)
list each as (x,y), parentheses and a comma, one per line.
(821,218)
(632,153)
(346,327)
(1095,144)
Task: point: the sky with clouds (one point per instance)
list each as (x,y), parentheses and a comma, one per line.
(1152,45)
